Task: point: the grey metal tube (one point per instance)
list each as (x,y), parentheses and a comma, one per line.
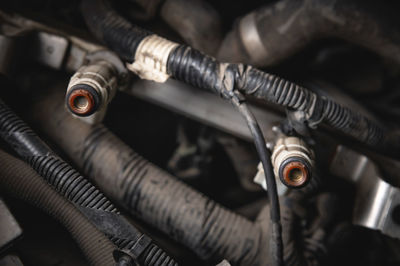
(196,21)
(270,34)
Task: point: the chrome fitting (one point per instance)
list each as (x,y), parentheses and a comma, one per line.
(292,161)
(90,90)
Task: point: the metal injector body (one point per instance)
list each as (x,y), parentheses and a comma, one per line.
(90,90)
(292,160)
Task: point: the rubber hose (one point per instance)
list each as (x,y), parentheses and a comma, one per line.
(22,182)
(193,67)
(69,183)
(149,193)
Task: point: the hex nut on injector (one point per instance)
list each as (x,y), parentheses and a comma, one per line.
(91,88)
(292,160)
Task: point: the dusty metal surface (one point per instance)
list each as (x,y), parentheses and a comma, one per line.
(274,32)
(251,38)
(50,49)
(9,228)
(202,106)
(197,22)
(377,202)
(10,260)
(53,47)
(7,53)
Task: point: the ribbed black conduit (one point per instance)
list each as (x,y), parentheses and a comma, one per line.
(116,32)
(21,181)
(69,183)
(193,67)
(149,193)
(197,69)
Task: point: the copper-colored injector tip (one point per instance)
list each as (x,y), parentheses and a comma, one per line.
(292,160)
(295,174)
(81,102)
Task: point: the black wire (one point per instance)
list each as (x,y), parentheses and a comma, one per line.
(276,246)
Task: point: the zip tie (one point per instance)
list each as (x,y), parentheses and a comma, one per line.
(151,58)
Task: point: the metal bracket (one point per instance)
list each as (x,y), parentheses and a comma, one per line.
(377,204)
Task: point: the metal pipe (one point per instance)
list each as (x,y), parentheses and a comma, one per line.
(274,32)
